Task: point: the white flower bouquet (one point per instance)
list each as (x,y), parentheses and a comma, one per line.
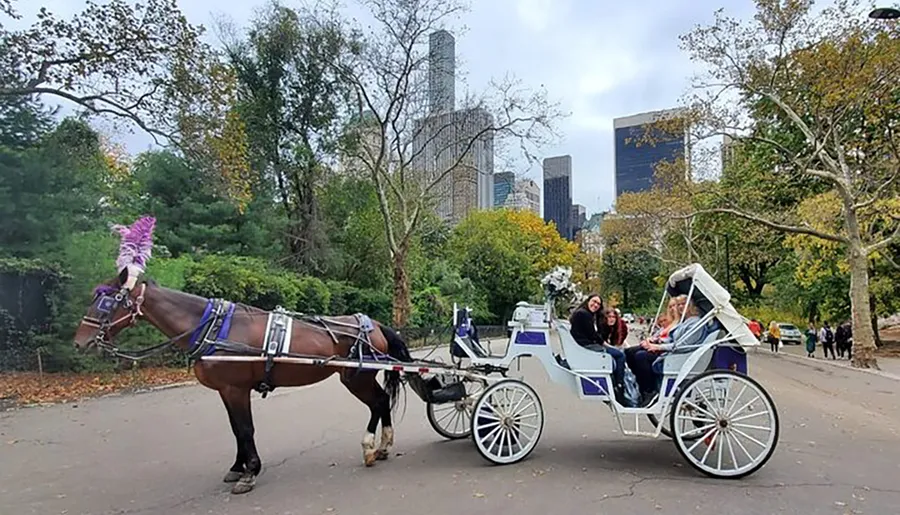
(558,284)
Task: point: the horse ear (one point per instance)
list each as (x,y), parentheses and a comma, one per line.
(123,276)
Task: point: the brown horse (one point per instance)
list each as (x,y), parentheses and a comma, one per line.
(120,303)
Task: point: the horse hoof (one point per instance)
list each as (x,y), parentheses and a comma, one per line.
(244,485)
(232,476)
(381,454)
(369,458)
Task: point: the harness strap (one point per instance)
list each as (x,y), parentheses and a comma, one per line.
(277,342)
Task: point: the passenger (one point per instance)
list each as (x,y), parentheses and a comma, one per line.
(584,322)
(613,330)
(644,359)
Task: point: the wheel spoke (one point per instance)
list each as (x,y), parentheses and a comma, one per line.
(700,440)
(720,446)
(491,433)
(690,403)
(714,412)
(745,417)
(748,426)
(736,399)
(684,418)
(746,453)
(698,430)
(745,406)
(709,446)
(516,438)
(734,460)
(491,416)
(748,437)
(517,412)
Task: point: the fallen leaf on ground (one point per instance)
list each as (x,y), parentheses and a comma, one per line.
(29,388)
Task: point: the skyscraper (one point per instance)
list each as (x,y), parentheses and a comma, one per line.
(452,146)
(454,150)
(558,193)
(636,160)
(441,72)
(504,182)
(579,216)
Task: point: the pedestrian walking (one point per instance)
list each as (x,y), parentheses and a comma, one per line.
(774,336)
(842,339)
(811,339)
(826,336)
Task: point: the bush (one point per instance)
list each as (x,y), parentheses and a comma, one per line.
(243,279)
(347,299)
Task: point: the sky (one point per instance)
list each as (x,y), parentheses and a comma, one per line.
(601,59)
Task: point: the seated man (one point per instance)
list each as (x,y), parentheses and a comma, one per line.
(584,332)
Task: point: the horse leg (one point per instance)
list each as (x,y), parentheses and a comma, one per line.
(238,401)
(362,385)
(237,470)
(383,407)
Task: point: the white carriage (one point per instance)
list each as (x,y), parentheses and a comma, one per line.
(722,421)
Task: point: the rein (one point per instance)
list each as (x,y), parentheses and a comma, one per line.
(108,305)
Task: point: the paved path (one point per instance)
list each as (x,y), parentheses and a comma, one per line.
(165,453)
(888,365)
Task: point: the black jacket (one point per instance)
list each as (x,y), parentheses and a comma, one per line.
(583,330)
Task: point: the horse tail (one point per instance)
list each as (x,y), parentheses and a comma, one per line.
(397,349)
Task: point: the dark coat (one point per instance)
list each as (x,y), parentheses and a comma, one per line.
(583,329)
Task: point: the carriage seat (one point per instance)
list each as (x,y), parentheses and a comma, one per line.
(470,343)
(579,358)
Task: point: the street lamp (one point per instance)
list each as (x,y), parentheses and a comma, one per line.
(885,13)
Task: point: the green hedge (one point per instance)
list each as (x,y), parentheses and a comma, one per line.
(255,282)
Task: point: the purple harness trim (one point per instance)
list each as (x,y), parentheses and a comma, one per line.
(223,331)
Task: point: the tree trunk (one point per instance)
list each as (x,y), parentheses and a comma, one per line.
(863,335)
(401,287)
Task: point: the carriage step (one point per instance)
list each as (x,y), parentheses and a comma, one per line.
(450,393)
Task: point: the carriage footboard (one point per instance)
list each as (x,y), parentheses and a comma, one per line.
(433,391)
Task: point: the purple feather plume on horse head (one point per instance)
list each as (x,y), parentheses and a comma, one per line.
(137,243)
(104,289)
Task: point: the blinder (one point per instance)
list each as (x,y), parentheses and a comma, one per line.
(107,305)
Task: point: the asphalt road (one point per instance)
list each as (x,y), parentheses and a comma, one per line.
(165,452)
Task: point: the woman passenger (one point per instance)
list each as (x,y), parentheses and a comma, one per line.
(584,322)
(613,330)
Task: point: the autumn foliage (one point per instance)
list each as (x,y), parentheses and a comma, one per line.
(23,388)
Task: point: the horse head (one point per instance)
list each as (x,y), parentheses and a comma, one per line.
(116,304)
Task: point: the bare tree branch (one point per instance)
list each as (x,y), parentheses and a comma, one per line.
(773,225)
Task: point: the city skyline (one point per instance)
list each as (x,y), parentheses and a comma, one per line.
(573,48)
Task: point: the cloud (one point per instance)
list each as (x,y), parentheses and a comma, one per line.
(601,59)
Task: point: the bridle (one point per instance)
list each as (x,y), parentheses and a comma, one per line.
(107,306)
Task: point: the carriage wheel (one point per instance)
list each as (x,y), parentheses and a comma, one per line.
(734,433)
(453,420)
(507,422)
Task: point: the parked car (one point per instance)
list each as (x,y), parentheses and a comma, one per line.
(628,318)
(790,335)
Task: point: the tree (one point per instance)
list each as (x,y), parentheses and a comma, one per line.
(292,101)
(50,191)
(411,149)
(820,90)
(628,270)
(506,252)
(191,217)
(350,214)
